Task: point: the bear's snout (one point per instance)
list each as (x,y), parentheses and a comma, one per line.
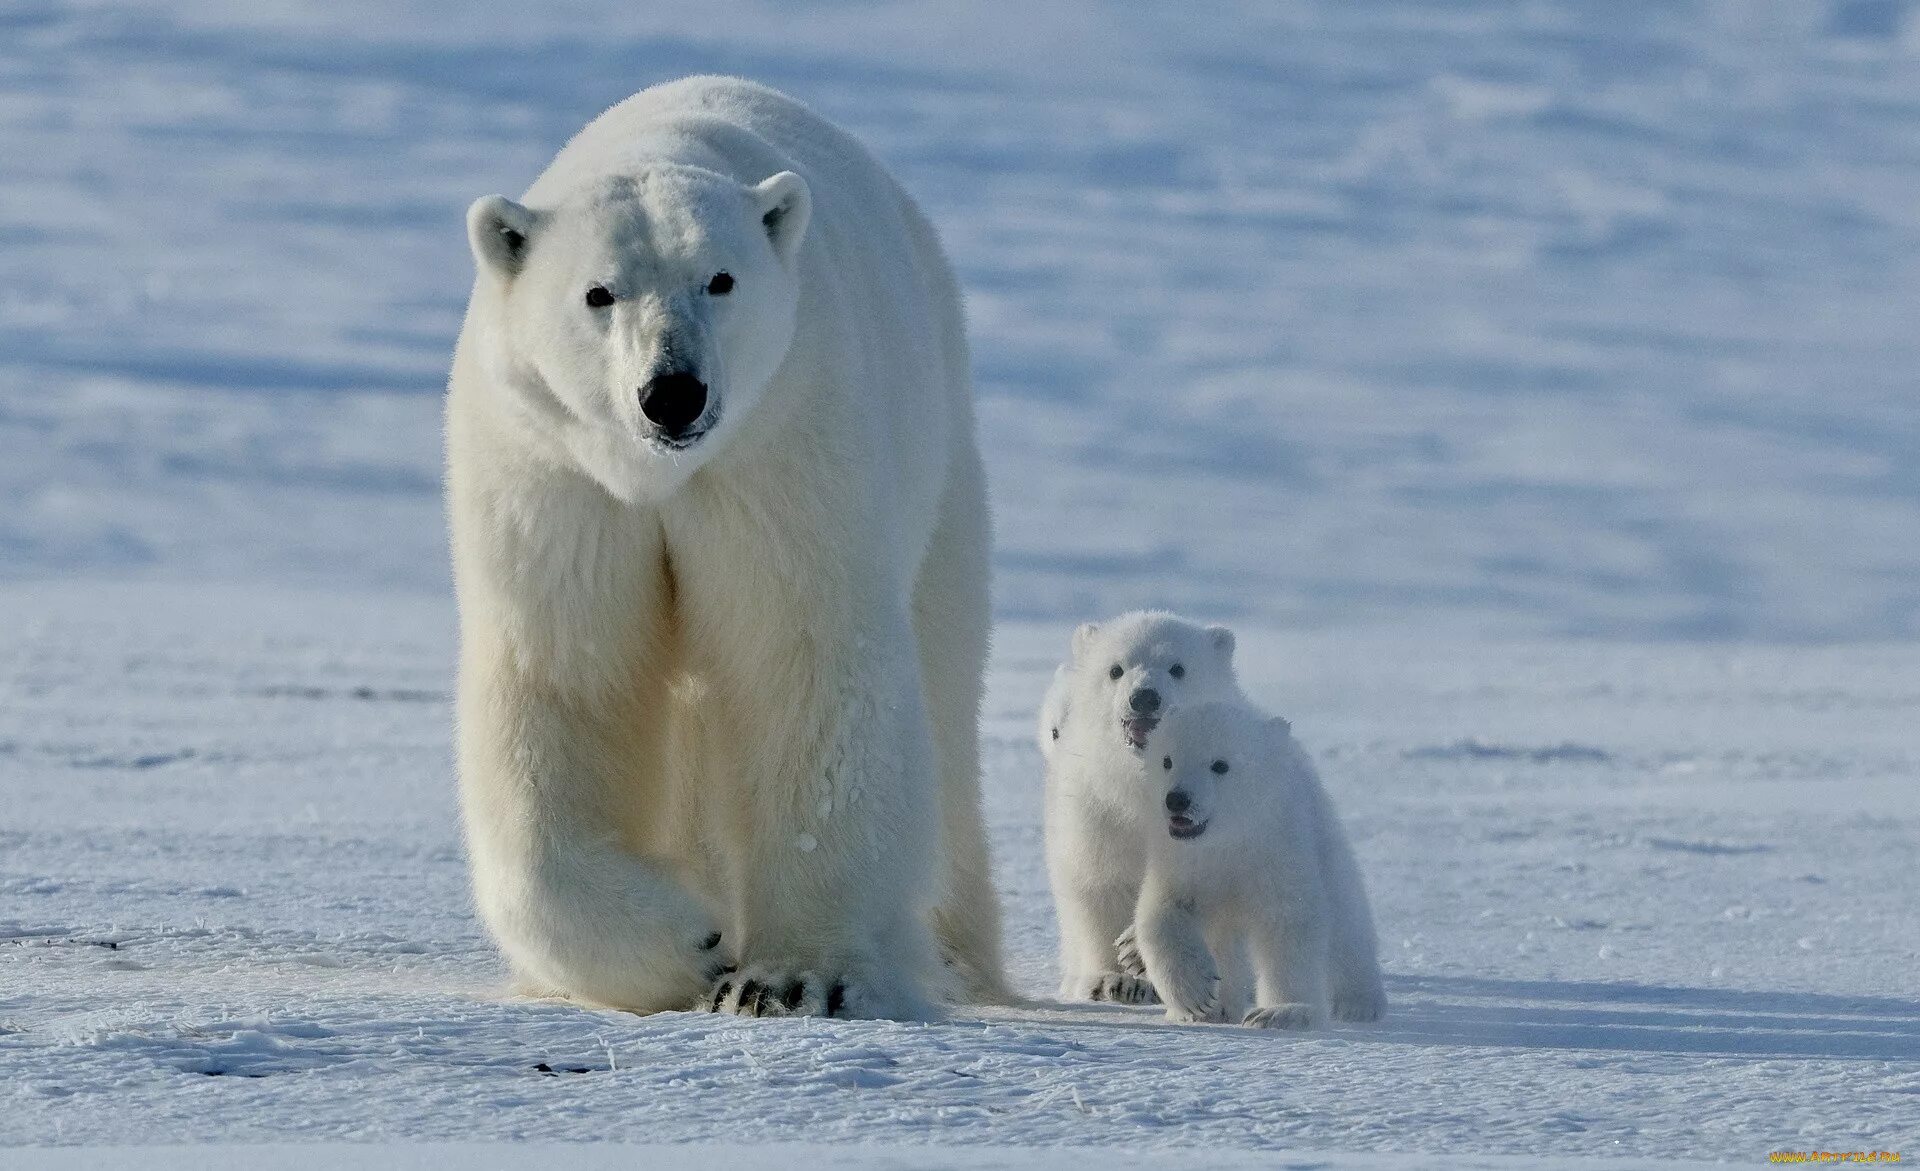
(674,402)
(1146,701)
(1178,801)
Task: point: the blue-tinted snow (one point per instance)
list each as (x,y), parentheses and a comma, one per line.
(1515,316)
(1424,341)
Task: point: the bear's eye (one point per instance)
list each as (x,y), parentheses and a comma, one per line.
(720,285)
(1177,671)
(1219,766)
(1166,762)
(1116,671)
(598,297)
(1056,733)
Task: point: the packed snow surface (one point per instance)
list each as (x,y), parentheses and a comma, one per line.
(1633,900)
(1531,385)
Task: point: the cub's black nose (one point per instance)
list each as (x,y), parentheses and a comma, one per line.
(673,401)
(1146,701)
(1178,801)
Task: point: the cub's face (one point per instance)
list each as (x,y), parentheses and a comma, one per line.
(639,321)
(1126,674)
(1204,760)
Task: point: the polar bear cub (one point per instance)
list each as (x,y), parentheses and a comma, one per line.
(1120,679)
(1250,854)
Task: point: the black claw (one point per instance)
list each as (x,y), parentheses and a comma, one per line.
(720,991)
(836,999)
(712,942)
(795,993)
(1099,991)
(752,992)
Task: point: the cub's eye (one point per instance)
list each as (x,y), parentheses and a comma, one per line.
(598,297)
(1177,671)
(720,285)
(1116,671)
(1166,762)
(1219,766)
(1056,733)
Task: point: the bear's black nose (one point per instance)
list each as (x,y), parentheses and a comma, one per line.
(673,401)
(1178,801)
(1146,701)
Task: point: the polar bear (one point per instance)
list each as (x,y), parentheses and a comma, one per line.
(720,541)
(1250,855)
(1121,676)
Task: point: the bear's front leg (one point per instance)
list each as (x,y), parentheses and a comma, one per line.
(834,823)
(574,911)
(1174,950)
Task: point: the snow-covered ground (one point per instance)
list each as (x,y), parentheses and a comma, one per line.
(1532,384)
(1635,900)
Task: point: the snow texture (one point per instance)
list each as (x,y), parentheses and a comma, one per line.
(766,1157)
(235,906)
(1531,385)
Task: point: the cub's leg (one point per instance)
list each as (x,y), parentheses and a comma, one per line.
(1090,917)
(1173,945)
(1289,954)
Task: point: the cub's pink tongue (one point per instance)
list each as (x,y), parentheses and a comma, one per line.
(1137,730)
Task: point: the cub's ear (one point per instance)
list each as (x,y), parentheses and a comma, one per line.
(1083,635)
(499,231)
(1279,727)
(1222,639)
(785,205)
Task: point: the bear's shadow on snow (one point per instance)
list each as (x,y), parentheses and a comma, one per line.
(1643,1018)
(1578,1015)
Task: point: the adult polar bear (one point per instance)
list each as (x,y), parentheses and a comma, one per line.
(720,540)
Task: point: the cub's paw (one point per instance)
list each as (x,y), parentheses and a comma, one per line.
(1190,986)
(1207,1012)
(1116,988)
(1280,1016)
(1127,953)
(1194,998)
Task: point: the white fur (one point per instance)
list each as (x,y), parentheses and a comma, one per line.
(1094,823)
(733,686)
(1271,873)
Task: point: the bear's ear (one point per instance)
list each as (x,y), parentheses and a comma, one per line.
(1082,635)
(1222,639)
(785,205)
(1280,728)
(499,231)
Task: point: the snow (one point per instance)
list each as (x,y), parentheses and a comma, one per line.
(1659,904)
(1530,385)
(765,1157)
